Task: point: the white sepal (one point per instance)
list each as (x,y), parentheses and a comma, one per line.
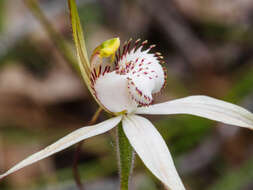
(65,142)
(152,149)
(203,106)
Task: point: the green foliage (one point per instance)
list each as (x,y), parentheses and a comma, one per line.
(242,87)
(223,32)
(184,132)
(2,11)
(25,52)
(235,179)
(90,13)
(62,45)
(13,134)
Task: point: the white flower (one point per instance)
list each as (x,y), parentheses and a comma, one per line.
(125,88)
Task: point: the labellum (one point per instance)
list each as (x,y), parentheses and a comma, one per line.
(130,80)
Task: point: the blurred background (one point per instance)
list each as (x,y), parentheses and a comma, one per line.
(208,49)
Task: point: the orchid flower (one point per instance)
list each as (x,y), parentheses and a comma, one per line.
(125,88)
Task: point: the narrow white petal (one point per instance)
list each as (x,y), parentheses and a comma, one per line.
(152,149)
(65,142)
(203,106)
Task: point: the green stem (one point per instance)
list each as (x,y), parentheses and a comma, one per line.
(125,157)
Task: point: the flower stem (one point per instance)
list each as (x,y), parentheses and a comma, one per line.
(95,116)
(78,150)
(125,155)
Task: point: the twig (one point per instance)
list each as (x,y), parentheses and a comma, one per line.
(78,150)
(57,38)
(65,50)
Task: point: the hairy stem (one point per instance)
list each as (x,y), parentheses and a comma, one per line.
(78,150)
(125,157)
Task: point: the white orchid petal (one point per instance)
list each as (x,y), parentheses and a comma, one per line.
(139,88)
(203,106)
(111,90)
(152,149)
(145,73)
(65,142)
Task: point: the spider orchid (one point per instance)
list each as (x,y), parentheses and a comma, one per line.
(124,87)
